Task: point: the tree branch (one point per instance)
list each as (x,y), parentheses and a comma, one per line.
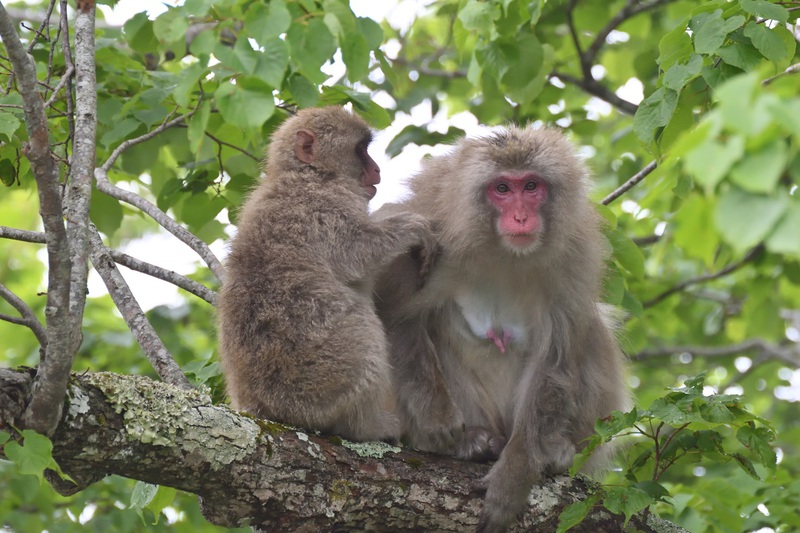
(105,186)
(28,318)
(270,475)
(142,330)
(44,409)
(189,285)
(628,185)
(599,90)
(705,277)
(790,356)
(631,9)
(22,235)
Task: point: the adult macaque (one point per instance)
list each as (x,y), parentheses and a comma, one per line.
(504,353)
(299,338)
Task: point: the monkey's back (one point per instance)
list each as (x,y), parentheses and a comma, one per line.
(284,303)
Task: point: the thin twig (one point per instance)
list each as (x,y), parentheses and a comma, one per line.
(162,361)
(790,356)
(28,318)
(189,285)
(597,89)
(229,145)
(794,69)
(105,186)
(625,187)
(706,277)
(64,80)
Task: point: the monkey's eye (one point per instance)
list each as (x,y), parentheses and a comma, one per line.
(501,188)
(530,186)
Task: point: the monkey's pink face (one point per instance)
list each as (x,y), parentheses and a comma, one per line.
(518,198)
(371,175)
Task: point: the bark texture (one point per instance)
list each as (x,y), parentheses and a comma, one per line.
(268,475)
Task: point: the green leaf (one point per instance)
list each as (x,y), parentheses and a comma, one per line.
(694,230)
(710,30)
(784,240)
(421,137)
(163,498)
(745,219)
(8,125)
(138,31)
(4,437)
(761,170)
(574,513)
(674,47)
(119,132)
(197,126)
(371,30)
(766,41)
(355,54)
(33,456)
(746,465)
(680,74)
(171,26)
(654,112)
(740,55)
(142,494)
(304,93)
(627,253)
(710,161)
(716,412)
(311,45)
(248,104)
(478,16)
(105,212)
(272,63)
(626,500)
(655,490)
(765,9)
(267,22)
(758,440)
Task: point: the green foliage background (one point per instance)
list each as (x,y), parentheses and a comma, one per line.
(718,116)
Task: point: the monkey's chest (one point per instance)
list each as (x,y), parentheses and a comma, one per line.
(489,323)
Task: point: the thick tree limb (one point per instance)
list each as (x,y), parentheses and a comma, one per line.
(269,475)
(151,344)
(63,335)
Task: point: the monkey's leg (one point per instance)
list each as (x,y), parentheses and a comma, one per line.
(430,418)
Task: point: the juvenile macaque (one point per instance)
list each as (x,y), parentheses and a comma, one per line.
(504,353)
(300,341)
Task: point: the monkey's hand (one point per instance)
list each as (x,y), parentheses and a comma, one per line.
(425,256)
(480,444)
(436,425)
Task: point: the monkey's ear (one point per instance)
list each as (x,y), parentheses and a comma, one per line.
(304,146)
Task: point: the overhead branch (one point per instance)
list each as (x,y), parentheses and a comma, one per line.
(631,9)
(595,88)
(27,317)
(789,355)
(271,476)
(628,185)
(151,344)
(755,251)
(44,409)
(189,285)
(104,185)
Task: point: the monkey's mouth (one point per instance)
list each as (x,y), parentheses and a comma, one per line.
(520,240)
(370,191)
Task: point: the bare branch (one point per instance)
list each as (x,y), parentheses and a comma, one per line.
(142,330)
(28,318)
(44,410)
(22,235)
(79,192)
(105,186)
(597,89)
(67,51)
(64,81)
(189,285)
(706,277)
(794,69)
(631,9)
(628,185)
(790,356)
